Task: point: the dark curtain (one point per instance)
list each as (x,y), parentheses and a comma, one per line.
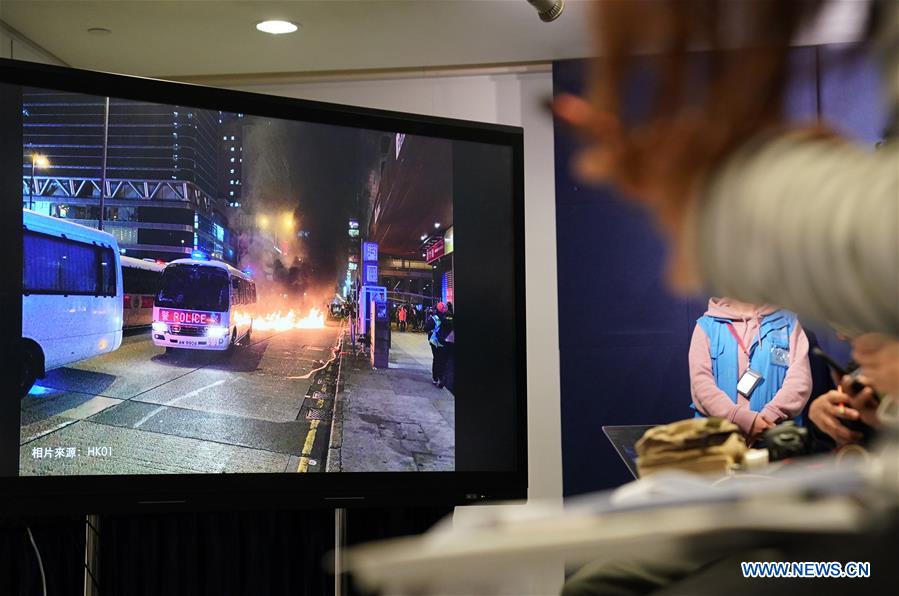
(220,553)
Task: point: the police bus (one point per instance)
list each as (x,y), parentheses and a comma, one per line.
(203,305)
(140,282)
(71,295)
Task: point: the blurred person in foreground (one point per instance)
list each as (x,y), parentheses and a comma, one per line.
(752,206)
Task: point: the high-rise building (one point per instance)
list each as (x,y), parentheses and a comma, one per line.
(230,162)
(146,141)
(162,195)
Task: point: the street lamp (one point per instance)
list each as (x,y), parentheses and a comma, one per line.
(37,161)
(262,221)
(288,221)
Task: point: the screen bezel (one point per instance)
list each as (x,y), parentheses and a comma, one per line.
(98,494)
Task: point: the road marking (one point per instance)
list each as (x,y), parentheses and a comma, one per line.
(176,400)
(307,446)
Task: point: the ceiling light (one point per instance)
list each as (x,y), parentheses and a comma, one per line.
(276,27)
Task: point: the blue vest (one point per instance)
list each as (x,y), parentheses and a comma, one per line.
(776,329)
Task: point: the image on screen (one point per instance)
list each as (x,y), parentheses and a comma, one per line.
(210,292)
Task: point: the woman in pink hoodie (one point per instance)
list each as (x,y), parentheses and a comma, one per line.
(749,365)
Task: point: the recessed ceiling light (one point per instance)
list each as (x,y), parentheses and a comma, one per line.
(99,31)
(276,27)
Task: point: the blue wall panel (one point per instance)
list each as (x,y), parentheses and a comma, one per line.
(852,99)
(623,337)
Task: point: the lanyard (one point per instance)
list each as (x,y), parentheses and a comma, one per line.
(739,339)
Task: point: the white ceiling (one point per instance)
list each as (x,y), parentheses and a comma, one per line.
(206,37)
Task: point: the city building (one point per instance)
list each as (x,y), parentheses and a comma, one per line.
(411,219)
(162,196)
(230,158)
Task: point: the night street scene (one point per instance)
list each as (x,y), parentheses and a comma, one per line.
(245,294)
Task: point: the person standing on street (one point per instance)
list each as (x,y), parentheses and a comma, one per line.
(403,315)
(436,338)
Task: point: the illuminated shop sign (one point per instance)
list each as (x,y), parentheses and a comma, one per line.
(370,251)
(369,263)
(448,241)
(436,250)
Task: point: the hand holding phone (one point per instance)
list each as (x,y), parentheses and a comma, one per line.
(865,402)
(855,386)
(854,404)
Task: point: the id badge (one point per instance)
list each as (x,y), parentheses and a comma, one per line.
(780,356)
(748,382)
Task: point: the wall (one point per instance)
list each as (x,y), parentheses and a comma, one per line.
(13,45)
(623,337)
(5,45)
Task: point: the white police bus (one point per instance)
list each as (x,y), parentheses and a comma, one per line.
(140,282)
(203,305)
(71,295)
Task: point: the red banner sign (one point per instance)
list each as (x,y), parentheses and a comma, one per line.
(435,251)
(189,317)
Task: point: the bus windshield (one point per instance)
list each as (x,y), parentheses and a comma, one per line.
(194,287)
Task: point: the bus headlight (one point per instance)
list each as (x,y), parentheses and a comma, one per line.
(216,331)
(160,327)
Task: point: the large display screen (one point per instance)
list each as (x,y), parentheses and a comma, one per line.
(215,291)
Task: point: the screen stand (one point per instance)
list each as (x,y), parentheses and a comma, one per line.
(339,545)
(91,554)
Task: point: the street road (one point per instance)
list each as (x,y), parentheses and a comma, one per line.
(139,410)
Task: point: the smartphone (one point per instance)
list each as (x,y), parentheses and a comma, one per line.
(856,387)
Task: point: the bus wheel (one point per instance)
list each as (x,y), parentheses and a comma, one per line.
(28,372)
(233,343)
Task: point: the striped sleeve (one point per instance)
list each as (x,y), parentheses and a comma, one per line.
(811,225)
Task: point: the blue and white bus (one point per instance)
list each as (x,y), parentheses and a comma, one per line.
(71,295)
(203,305)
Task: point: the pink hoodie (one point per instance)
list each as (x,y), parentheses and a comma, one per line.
(787,403)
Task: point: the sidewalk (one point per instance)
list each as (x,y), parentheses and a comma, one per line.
(395,419)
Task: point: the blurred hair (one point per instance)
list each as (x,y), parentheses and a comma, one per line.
(700,105)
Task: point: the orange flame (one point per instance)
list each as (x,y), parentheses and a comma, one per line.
(282,322)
